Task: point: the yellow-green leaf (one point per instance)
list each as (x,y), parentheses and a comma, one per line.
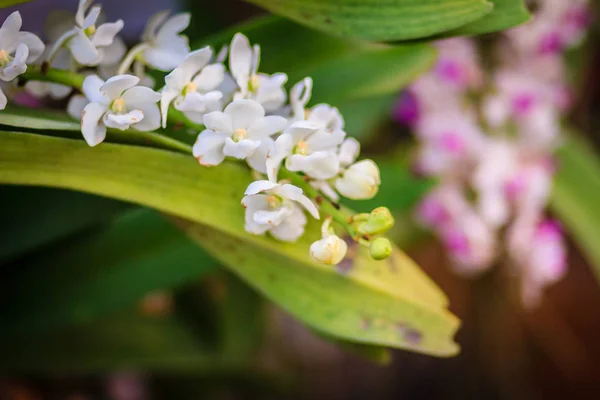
(174,183)
(380,20)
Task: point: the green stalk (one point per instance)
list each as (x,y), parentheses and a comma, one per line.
(67,78)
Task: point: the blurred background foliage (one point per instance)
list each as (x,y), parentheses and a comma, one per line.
(101,298)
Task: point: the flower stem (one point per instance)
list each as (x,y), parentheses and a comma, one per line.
(67,78)
(130,57)
(324,204)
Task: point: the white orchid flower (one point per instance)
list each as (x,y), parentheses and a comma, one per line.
(277,208)
(86,41)
(244,60)
(241,131)
(193,87)
(16,50)
(331,249)
(308,148)
(163,47)
(117,103)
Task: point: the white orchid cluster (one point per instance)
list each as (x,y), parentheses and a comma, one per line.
(245,114)
(490,141)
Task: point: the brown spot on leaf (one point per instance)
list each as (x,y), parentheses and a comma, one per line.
(409,334)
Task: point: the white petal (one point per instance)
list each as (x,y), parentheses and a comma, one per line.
(325,140)
(267,126)
(114,53)
(291,228)
(153,23)
(58,92)
(243,113)
(218,122)
(91,18)
(93,129)
(319,165)
(349,151)
(92,86)
(123,121)
(175,80)
(34,44)
(193,102)
(253,204)
(300,130)
(172,27)
(105,33)
(3,100)
(271,93)
(81,10)
(151,120)
(282,148)
(210,78)
(241,149)
(257,160)
(208,148)
(9,31)
(194,62)
(240,59)
(17,66)
(295,193)
(82,48)
(260,186)
(76,105)
(139,95)
(114,87)
(166,58)
(167,96)
(272,218)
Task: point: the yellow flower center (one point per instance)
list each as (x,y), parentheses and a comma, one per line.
(90,30)
(273,202)
(239,134)
(5,58)
(253,83)
(118,106)
(301,148)
(190,88)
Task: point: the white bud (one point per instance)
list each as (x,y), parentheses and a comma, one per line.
(360,181)
(329,250)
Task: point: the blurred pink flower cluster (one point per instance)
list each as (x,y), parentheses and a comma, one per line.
(489,138)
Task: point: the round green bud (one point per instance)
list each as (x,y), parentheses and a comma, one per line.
(380,248)
(380,220)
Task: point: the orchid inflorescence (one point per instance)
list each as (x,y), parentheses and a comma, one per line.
(301,156)
(490,140)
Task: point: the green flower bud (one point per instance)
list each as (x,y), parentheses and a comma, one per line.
(379,221)
(380,248)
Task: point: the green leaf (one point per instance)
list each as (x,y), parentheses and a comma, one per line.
(341,69)
(379,20)
(297,53)
(373,72)
(336,302)
(32,217)
(99,272)
(575,196)
(121,341)
(21,117)
(9,3)
(506,14)
(175,184)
